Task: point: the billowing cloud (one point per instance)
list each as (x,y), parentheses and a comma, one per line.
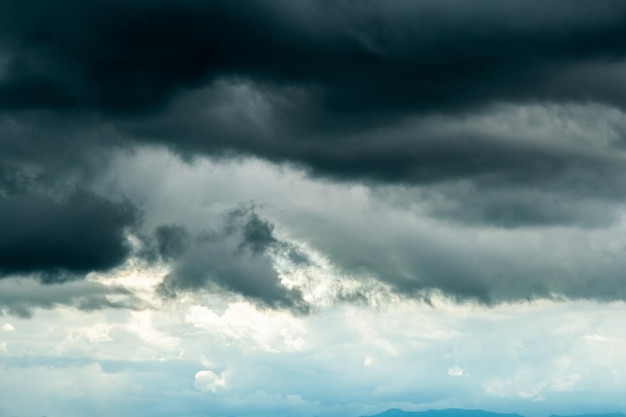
(404,238)
(236,258)
(482,125)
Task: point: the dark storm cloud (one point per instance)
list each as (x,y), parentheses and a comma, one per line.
(236,258)
(47,152)
(53,224)
(363,55)
(490,151)
(12,179)
(378,92)
(419,151)
(325,80)
(60,240)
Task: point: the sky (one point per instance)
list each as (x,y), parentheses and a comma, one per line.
(311,208)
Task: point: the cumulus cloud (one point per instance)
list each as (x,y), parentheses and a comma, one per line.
(208,380)
(456,370)
(7,327)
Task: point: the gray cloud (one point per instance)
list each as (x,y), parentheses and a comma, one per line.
(510,153)
(23,297)
(236,258)
(417,256)
(172,241)
(472,241)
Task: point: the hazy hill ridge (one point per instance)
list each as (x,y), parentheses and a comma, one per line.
(593,415)
(458,412)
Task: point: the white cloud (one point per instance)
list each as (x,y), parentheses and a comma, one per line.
(245,324)
(383,356)
(456,370)
(596,338)
(208,380)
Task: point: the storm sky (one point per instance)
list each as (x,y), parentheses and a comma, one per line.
(311,207)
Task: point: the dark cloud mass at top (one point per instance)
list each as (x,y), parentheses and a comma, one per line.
(438,95)
(327,82)
(332,74)
(360,55)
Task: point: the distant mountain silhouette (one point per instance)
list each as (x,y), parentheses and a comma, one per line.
(458,412)
(451,412)
(594,415)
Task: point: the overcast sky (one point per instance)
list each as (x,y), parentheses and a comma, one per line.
(311,207)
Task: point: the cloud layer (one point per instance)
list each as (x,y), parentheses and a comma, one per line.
(476,118)
(311,207)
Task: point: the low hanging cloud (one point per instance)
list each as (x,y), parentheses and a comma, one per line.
(237,258)
(24,296)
